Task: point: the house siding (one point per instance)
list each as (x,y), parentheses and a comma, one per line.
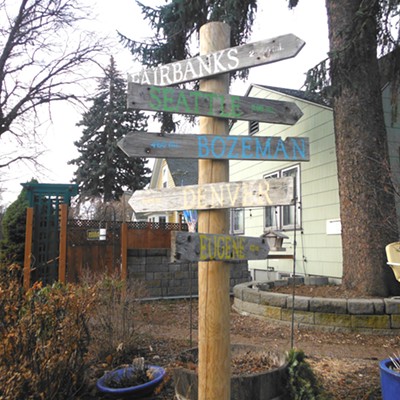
(317,253)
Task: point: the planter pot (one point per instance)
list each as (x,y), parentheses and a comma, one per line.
(266,385)
(132,392)
(390,380)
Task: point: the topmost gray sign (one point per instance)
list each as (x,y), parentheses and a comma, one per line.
(227,60)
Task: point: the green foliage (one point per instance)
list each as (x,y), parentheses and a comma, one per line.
(177,23)
(12,245)
(44,340)
(302,383)
(102,167)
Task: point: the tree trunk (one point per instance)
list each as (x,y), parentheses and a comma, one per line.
(366,192)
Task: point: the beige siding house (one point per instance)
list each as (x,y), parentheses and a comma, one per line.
(314,223)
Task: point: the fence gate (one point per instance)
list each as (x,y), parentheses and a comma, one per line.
(45,200)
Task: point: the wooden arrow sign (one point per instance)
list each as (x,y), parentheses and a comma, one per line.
(227,60)
(193,247)
(181,101)
(254,193)
(257,148)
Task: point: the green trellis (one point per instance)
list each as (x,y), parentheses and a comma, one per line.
(45,199)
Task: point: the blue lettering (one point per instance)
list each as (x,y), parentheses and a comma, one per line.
(262,152)
(213,147)
(246,145)
(281,147)
(296,147)
(202,143)
(234,140)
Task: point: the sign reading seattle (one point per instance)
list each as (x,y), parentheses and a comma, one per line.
(254,193)
(227,60)
(168,99)
(193,247)
(157,145)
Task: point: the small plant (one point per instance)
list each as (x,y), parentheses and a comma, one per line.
(302,383)
(132,375)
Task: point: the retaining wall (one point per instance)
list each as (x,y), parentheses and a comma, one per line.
(165,279)
(369,315)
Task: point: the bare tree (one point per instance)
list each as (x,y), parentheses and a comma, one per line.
(41,61)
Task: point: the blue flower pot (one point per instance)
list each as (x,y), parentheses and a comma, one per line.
(390,381)
(132,392)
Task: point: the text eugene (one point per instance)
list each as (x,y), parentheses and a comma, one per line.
(192,69)
(196,102)
(222,247)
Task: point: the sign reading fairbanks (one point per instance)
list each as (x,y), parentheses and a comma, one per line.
(182,101)
(254,193)
(257,148)
(193,247)
(227,60)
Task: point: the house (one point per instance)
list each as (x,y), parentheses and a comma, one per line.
(314,221)
(169,173)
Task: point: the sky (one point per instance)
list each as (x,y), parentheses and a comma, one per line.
(308,21)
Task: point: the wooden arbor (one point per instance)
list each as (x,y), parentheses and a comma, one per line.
(46,231)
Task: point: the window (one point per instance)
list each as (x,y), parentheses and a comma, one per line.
(284,217)
(254,127)
(164,177)
(237,220)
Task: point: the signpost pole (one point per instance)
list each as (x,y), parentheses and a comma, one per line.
(214,302)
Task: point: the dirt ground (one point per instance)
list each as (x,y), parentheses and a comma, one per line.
(347,364)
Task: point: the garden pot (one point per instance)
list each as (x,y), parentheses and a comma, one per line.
(390,380)
(266,385)
(131,392)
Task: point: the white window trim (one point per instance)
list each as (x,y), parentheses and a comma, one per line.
(279,209)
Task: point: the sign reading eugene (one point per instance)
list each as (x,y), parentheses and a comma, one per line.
(193,247)
(254,193)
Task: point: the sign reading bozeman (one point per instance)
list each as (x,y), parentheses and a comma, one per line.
(257,148)
(254,193)
(181,101)
(193,247)
(227,60)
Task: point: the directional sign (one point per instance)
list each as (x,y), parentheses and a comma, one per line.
(254,193)
(193,247)
(257,148)
(227,60)
(181,101)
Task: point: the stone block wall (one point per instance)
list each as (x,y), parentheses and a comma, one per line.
(165,279)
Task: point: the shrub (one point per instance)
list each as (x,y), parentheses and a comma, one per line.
(302,382)
(113,327)
(44,339)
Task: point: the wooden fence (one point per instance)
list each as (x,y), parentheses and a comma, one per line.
(110,255)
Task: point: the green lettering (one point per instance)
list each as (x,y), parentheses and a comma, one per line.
(168,100)
(182,102)
(154,93)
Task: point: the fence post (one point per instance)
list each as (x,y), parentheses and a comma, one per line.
(62,263)
(28,248)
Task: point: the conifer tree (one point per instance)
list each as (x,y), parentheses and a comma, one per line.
(102,167)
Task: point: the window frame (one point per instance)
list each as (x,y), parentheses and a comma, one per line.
(281,211)
(240,229)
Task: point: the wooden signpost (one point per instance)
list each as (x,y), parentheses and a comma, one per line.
(181,101)
(211,196)
(214,194)
(216,147)
(221,61)
(194,247)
